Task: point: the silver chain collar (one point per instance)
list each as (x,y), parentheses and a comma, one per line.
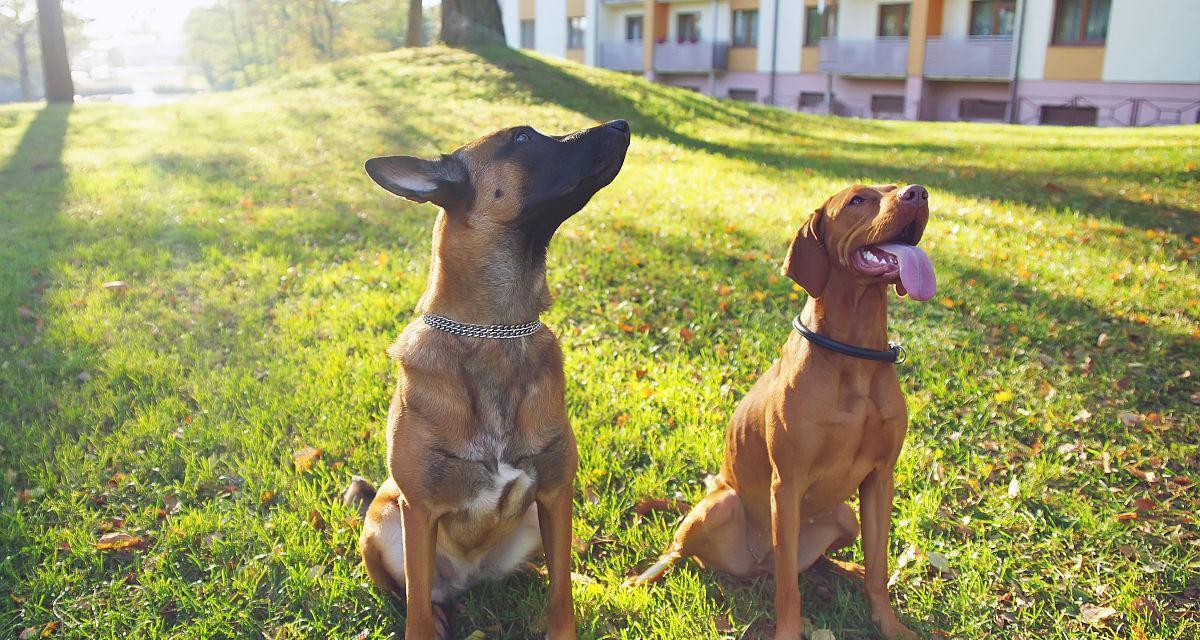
(495,331)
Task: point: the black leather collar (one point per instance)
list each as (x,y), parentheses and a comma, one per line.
(895,352)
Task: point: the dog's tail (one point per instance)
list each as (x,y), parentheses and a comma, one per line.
(656,570)
(359,495)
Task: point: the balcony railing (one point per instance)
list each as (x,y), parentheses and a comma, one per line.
(882,57)
(976,57)
(691,57)
(619,2)
(622,55)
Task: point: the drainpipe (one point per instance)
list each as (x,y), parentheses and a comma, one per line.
(1014,75)
(712,67)
(774,50)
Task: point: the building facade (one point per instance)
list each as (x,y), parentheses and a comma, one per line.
(1077,62)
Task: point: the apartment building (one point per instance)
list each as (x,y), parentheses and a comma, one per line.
(1077,62)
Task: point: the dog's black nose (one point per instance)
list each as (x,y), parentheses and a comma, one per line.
(620,125)
(913,193)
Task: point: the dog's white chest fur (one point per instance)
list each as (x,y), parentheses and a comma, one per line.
(508,487)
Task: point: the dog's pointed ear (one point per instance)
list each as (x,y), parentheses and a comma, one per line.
(807,263)
(443,182)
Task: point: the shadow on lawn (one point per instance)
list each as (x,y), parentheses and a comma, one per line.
(32,188)
(648,108)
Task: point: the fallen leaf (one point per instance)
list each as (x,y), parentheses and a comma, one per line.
(660,504)
(1092,614)
(307,457)
(116,541)
(579,578)
(686,333)
(1014,487)
(116,286)
(171,502)
(822,634)
(315,519)
(1142,505)
(940,562)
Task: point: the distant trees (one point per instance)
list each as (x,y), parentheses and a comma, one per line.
(239,41)
(20,49)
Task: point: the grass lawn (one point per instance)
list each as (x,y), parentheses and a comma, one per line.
(1051,468)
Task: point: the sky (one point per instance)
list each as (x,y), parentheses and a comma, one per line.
(116,18)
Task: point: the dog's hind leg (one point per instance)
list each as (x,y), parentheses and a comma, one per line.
(715,532)
(830,531)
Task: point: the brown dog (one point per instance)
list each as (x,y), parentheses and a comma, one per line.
(819,423)
(477,430)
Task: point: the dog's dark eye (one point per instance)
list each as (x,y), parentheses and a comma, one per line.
(856,200)
(521,138)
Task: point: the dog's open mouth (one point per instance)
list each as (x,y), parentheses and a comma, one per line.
(901,262)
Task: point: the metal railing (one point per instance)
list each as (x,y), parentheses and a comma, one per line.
(622,55)
(882,57)
(691,57)
(988,57)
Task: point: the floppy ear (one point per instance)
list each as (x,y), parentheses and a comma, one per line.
(884,188)
(807,263)
(443,182)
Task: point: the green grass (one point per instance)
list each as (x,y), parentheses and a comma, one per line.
(267,275)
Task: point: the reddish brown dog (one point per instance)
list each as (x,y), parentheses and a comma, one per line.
(820,424)
(480,452)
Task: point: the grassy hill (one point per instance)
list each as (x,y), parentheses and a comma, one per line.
(1050,468)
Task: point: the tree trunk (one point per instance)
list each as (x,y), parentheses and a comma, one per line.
(56,66)
(416,24)
(469,22)
(23,66)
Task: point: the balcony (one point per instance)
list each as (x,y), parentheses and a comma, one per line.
(621,55)
(691,57)
(984,58)
(619,2)
(879,58)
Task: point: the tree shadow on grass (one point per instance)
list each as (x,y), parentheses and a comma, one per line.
(649,110)
(32,189)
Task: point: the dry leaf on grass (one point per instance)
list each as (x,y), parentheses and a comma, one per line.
(116,285)
(1092,614)
(307,457)
(116,541)
(660,504)
(822,634)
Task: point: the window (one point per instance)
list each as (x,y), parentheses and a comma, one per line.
(745,28)
(979,109)
(575,28)
(993,17)
(817,26)
(1081,21)
(687,27)
(1069,116)
(633,28)
(887,104)
(893,20)
(527,31)
(745,95)
(811,99)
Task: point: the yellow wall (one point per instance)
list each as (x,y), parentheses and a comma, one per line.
(810,59)
(734,5)
(743,59)
(528,9)
(1074,63)
(917,30)
(576,8)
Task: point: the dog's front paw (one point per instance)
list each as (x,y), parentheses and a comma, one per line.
(891,628)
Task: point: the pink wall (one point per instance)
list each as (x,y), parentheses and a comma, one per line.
(1118,104)
(942,99)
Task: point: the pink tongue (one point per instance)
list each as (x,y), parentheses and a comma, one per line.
(916,271)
